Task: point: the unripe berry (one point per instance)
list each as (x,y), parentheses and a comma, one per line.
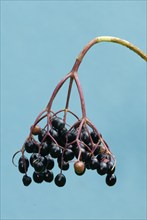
(36,130)
(79,167)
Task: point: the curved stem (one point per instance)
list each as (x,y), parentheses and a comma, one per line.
(107,39)
(81,95)
(60,84)
(68,98)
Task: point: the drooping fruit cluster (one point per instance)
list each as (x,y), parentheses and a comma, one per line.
(59,143)
(62,142)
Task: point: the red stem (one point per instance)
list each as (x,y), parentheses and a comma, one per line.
(60,84)
(80,94)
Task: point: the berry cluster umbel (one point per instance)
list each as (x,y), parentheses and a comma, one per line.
(63,144)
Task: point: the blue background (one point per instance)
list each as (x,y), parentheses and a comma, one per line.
(39,43)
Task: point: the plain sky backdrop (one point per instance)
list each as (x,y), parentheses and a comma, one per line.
(39,43)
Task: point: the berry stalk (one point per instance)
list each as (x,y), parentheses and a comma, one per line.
(107,39)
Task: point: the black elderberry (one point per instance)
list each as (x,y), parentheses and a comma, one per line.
(26,180)
(94,136)
(85,137)
(57,123)
(110,179)
(41,136)
(81,151)
(39,166)
(68,155)
(102,168)
(23,164)
(94,163)
(48,176)
(54,134)
(60,180)
(50,162)
(63,165)
(24,159)
(31,147)
(55,151)
(33,157)
(111,168)
(45,149)
(62,136)
(72,135)
(38,177)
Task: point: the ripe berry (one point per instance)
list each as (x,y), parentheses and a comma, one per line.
(50,162)
(62,136)
(94,136)
(57,123)
(83,152)
(110,179)
(36,130)
(55,151)
(26,180)
(94,163)
(60,180)
(72,135)
(102,168)
(68,155)
(63,164)
(54,134)
(31,147)
(48,176)
(40,163)
(41,136)
(111,168)
(45,149)
(24,160)
(85,137)
(33,157)
(38,177)
(79,167)
(39,166)
(23,164)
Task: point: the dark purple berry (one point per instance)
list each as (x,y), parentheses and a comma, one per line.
(60,180)
(23,164)
(48,176)
(68,155)
(110,179)
(26,180)
(111,168)
(38,177)
(94,136)
(31,147)
(85,137)
(50,162)
(102,168)
(55,151)
(63,165)
(94,163)
(58,123)
(45,149)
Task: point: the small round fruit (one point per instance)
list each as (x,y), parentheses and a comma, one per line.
(36,130)
(79,167)
(38,177)
(60,180)
(26,180)
(102,168)
(48,176)
(110,179)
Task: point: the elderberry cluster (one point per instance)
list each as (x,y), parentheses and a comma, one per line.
(61,144)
